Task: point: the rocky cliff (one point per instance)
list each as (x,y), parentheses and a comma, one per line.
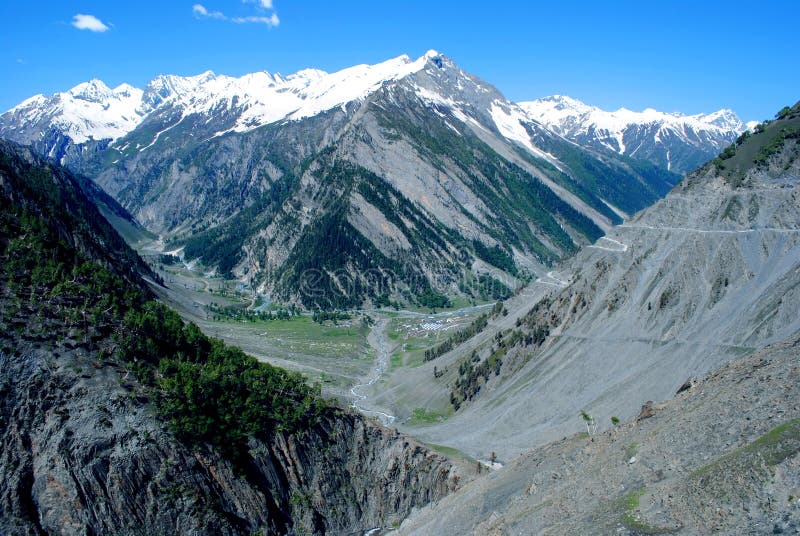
(85,444)
(82,454)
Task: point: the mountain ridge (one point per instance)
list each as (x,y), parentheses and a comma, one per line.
(295,96)
(239,195)
(676,141)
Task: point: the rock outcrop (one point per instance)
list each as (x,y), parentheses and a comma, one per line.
(83,454)
(83,449)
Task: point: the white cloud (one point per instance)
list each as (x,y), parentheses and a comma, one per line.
(88,22)
(201,11)
(266,4)
(272,20)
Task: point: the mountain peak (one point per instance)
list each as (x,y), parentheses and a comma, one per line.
(94,90)
(558,105)
(724,118)
(125,89)
(261,98)
(184,83)
(33,101)
(564,99)
(673,140)
(307,74)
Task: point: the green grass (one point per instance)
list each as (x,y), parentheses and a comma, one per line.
(456,302)
(459,302)
(393,329)
(397,360)
(326,378)
(630,503)
(411,347)
(305,335)
(425,310)
(411,350)
(771,449)
(422,416)
(451,452)
(333,355)
(415,355)
(631,500)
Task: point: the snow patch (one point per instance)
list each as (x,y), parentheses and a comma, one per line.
(510,122)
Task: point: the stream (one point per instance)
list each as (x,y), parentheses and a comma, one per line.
(379,330)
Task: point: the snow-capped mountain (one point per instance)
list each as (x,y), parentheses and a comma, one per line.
(92,111)
(415,166)
(88,111)
(675,141)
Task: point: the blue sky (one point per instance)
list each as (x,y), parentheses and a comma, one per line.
(693,57)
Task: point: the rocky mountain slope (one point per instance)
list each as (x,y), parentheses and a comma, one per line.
(75,206)
(411,170)
(707,275)
(115,417)
(722,457)
(674,141)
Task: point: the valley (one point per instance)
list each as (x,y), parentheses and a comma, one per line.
(417,185)
(337,354)
(390,300)
(334,355)
(378,369)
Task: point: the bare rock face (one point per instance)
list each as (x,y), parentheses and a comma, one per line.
(82,450)
(82,453)
(647,411)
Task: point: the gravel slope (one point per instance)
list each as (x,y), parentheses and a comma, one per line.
(722,456)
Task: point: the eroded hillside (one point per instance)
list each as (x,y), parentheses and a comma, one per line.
(709,274)
(116,417)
